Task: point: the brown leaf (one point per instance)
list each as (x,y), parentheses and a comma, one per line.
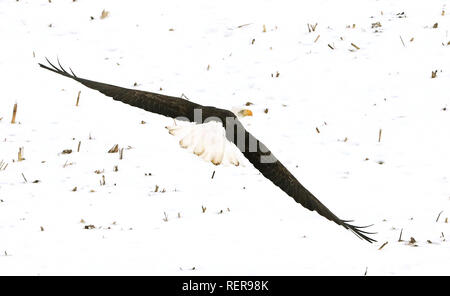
(104,14)
(114,149)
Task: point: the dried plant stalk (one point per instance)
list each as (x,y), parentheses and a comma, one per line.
(78,98)
(355,46)
(312,28)
(382,246)
(401,39)
(20,154)
(13,120)
(3,165)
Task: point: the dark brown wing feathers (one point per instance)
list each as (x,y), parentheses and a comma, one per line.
(280,176)
(152,102)
(177,107)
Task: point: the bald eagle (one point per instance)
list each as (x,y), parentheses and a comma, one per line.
(216,135)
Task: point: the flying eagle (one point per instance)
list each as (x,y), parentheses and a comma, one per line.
(215,135)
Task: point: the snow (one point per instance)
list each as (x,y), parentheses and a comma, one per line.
(325,111)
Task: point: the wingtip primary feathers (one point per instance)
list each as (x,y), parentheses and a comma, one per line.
(364,235)
(57,70)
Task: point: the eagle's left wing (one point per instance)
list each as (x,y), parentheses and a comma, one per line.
(165,105)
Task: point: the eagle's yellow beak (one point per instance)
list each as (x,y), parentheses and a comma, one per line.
(245,112)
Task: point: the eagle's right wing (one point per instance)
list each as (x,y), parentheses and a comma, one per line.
(271,168)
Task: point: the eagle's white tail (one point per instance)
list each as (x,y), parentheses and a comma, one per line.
(208,141)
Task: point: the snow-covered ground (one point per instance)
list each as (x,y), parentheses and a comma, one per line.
(325,111)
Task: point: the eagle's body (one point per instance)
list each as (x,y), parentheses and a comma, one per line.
(212,148)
